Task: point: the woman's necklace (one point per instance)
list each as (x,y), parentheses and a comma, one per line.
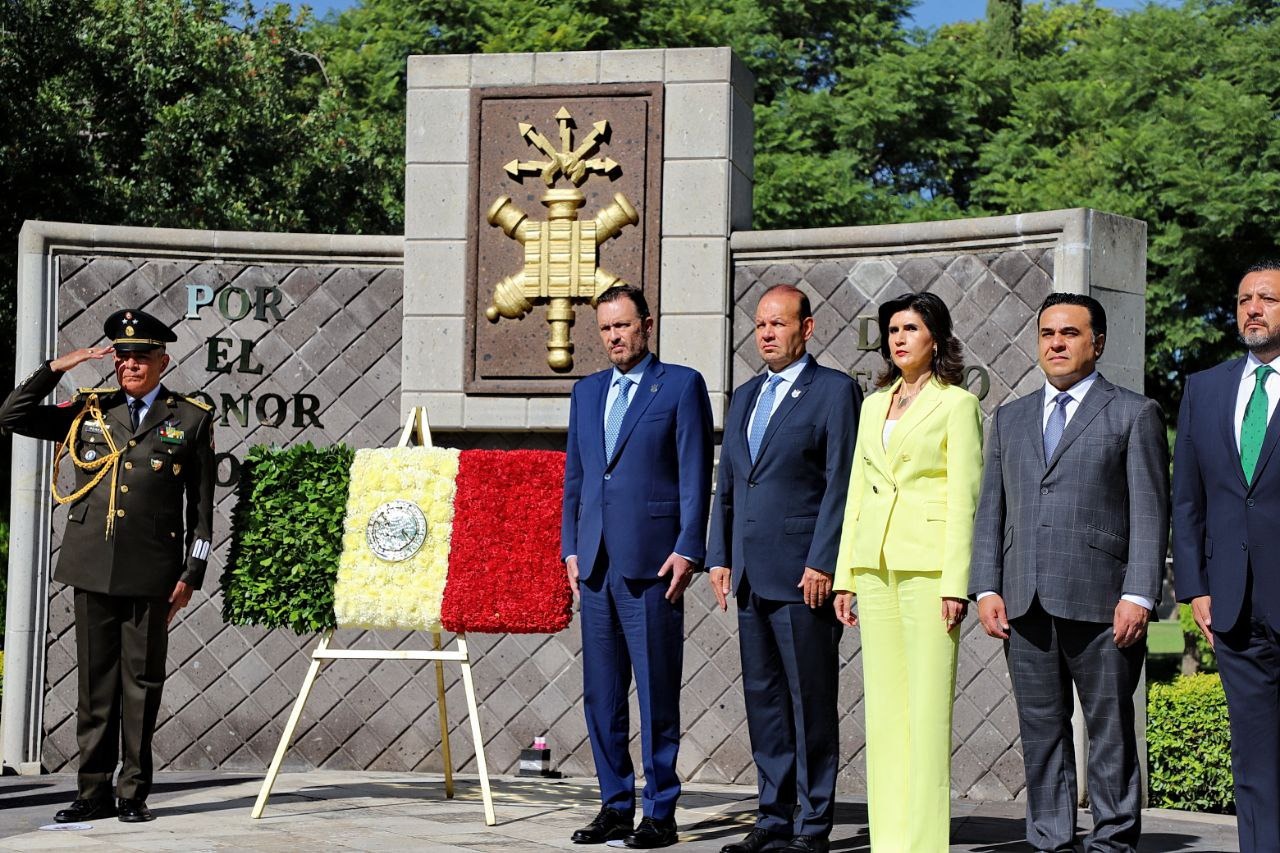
(905,399)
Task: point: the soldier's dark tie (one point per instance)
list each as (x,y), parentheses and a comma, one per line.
(135,409)
(1057,423)
(1253,429)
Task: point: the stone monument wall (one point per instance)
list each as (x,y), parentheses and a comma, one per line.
(329,339)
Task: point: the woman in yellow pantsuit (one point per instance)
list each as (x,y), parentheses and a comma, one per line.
(904,552)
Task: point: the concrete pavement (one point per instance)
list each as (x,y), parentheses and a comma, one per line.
(334,810)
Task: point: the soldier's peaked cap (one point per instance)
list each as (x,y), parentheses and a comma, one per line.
(132,330)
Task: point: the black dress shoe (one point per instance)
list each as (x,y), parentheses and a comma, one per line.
(757,840)
(609,825)
(653,833)
(86,810)
(808,844)
(134,811)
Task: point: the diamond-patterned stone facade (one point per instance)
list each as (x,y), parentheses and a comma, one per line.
(230,689)
(336,342)
(993,299)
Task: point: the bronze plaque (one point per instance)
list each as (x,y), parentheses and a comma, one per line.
(513,130)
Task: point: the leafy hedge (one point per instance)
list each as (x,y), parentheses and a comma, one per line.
(1189,745)
(286,536)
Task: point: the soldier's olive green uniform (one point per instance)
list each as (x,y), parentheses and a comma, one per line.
(129,539)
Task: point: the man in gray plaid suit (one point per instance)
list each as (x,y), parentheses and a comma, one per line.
(1068,554)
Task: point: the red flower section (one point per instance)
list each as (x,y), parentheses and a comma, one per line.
(505,574)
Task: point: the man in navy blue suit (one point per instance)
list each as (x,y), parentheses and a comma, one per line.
(637,485)
(1226,499)
(775,531)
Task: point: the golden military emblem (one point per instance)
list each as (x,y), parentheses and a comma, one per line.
(560,255)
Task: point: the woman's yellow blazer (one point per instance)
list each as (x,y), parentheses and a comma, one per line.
(913,502)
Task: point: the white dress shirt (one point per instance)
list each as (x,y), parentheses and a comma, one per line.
(1247,382)
(1077,393)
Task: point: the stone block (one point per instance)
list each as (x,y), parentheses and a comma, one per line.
(741,199)
(696,120)
(498,413)
(1122,360)
(439,72)
(699,341)
(690,64)
(744,82)
(571,67)
(435,278)
(549,413)
(631,66)
(1117,253)
(695,198)
(695,275)
(435,202)
(742,125)
(438,126)
(502,69)
(432,359)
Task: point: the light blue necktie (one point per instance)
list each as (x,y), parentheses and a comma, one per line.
(613,424)
(1057,423)
(764,409)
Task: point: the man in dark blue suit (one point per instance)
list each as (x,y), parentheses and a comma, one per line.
(775,531)
(1226,499)
(637,485)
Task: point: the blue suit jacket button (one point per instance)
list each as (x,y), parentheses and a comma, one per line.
(1249,502)
(607,476)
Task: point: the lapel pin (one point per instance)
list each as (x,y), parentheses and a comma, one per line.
(653,389)
(796,393)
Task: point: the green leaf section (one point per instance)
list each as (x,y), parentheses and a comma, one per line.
(1189,745)
(287,537)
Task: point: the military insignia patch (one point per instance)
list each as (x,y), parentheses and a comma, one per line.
(170,434)
(90,455)
(177,468)
(156,464)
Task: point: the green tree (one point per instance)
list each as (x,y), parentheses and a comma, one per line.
(1004,20)
(162,113)
(799,51)
(1165,115)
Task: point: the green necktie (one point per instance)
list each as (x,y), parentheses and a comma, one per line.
(1254,427)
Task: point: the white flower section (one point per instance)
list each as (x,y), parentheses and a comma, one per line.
(372,592)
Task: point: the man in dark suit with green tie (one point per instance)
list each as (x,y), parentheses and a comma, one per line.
(141,453)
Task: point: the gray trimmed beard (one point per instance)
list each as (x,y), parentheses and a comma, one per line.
(1260,341)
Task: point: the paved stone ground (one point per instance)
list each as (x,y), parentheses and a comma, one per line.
(409,812)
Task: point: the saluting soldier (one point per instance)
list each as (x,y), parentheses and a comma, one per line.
(140,453)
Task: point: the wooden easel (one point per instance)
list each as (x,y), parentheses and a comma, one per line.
(416,433)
